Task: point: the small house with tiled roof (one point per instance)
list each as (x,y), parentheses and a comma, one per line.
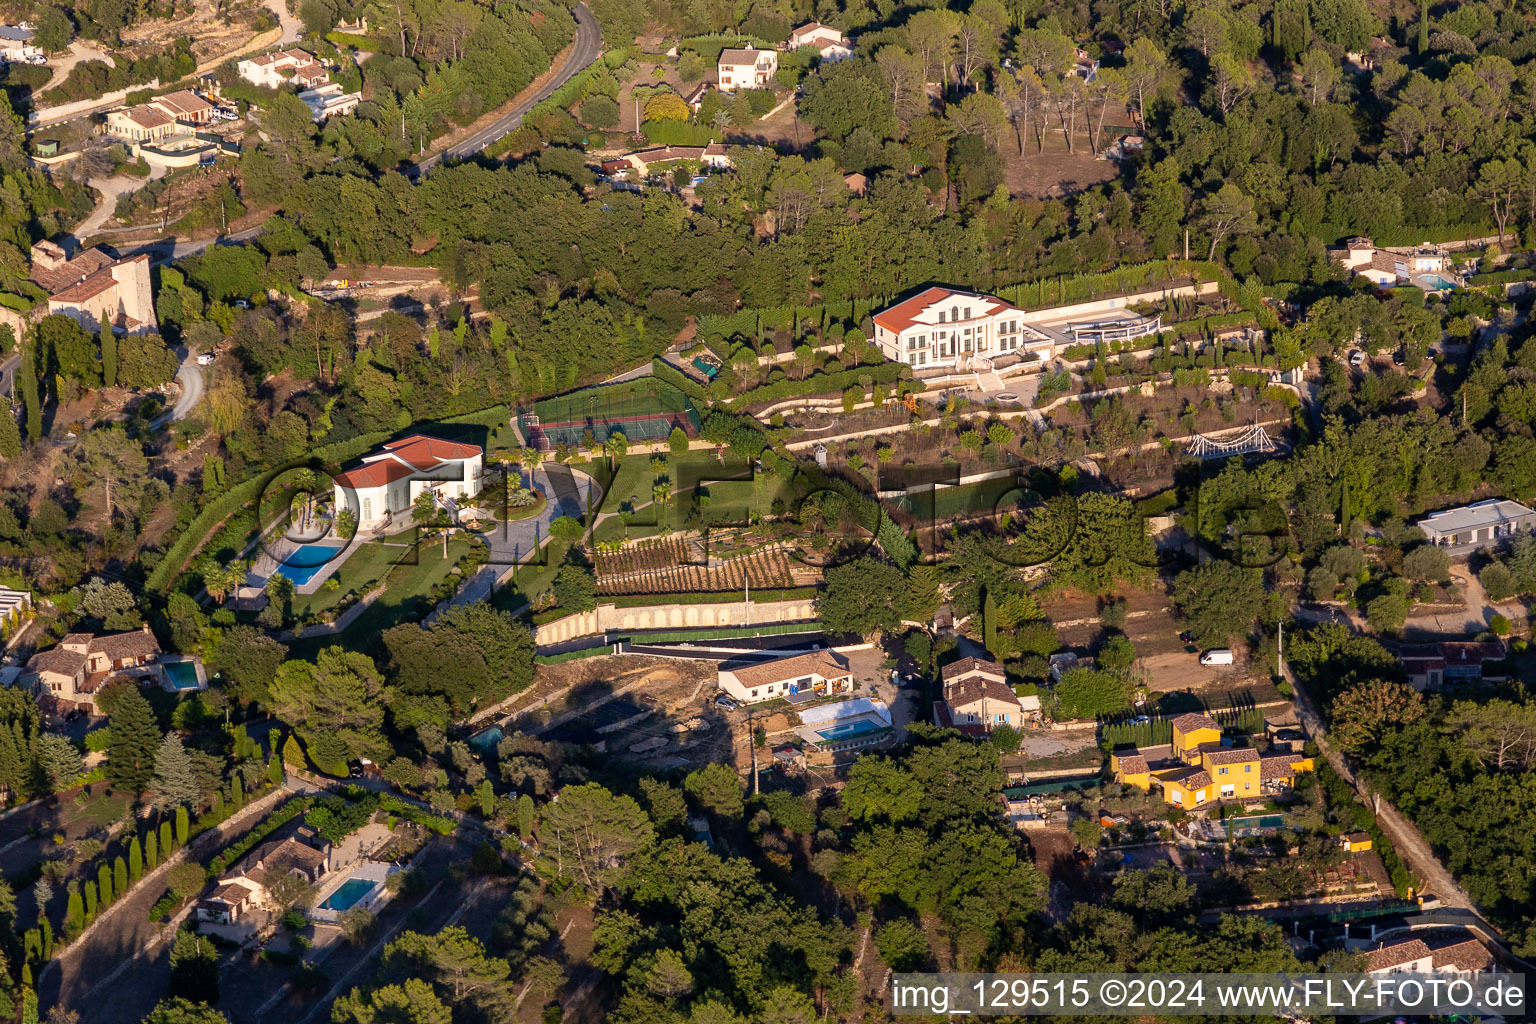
(71,674)
(976,699)
(390,480)
(1418,956)
(817,674)
(746,68)
(247,885)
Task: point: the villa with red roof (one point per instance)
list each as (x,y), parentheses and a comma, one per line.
(389,481)
(946,327)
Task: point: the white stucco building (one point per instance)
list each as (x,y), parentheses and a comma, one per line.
(388,482)
(824,39)
(946,327)
(746,69)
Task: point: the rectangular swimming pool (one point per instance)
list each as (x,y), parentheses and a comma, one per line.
(303,563)
(849,730)
(352,892)
(182,674)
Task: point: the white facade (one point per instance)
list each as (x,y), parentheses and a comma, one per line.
(945,327)
(329,100)
(285,67)
(388,483)
(747,69)
(824,39)
(823,673)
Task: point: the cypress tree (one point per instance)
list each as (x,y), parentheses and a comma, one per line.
(1423,27)
(74,914)
(119,876)
(26,379)
(181,826)
(167,841)
(90,901)
(151,850)
(108,354)
(275,771)
(135,860)
(47,948)
(135,742)
(104,885)
(525,816)
(487,799)
(237,792)
(10,435)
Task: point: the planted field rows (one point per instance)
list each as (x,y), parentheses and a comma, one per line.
(668,567)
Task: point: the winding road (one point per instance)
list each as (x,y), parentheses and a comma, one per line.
(584,50)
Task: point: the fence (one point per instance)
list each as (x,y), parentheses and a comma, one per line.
(647,409)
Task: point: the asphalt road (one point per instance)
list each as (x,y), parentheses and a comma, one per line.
(190,376)
(588,44)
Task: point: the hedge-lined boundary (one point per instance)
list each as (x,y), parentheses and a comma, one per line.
(588,652)
(178,557)
(819,383)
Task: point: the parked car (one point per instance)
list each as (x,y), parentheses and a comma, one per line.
(726,702)
(1219,656)
(206,359)
(1357,358)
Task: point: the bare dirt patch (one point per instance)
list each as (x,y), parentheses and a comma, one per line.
(1054,172)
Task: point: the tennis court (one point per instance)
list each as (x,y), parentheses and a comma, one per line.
(641,410)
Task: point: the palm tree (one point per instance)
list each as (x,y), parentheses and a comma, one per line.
(220,580)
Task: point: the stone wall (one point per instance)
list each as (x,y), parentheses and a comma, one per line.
(714,615)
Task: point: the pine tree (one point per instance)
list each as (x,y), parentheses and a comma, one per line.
(135,860)
(175,780)
(26,379)
(119,876)
(181,826)
(151,850)
(10,435)
(104,885)
(108,354)
(135,741)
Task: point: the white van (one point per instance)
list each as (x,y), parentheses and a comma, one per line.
(1220,656)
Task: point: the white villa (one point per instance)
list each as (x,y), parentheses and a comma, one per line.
(285,67)
(824,39)
(945,327)
(746,69)
(1426,267)
(818,674)
(389,481)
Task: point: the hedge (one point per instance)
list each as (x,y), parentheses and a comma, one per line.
(274,821)
(710,45)
(773,318)
(678,133)
(357,41)
(729,633)
(181,552)
(1476,280)
(707,597)
(665,371)
(439,823)
(588,652)
(819,383)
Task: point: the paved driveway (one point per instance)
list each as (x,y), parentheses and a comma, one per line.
(566,493)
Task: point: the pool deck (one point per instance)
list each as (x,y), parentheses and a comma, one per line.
(166,681)
(369,871)
(879,731)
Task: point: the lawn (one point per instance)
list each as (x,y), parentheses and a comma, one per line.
(410,578)
(369,562)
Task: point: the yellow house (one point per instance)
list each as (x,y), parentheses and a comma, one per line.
(1189,731)
(1196,768)
(1130,768)
(1355,842)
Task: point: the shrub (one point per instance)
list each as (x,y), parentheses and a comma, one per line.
(1500,625)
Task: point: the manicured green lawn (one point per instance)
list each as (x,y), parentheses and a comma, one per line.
(410,577)
(369,562)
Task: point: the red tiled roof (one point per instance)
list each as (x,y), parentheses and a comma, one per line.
(1470,955)
(87,289)
(1277,767)
(1191,722)
(966,665)
(1133,764)
(827,664)
(375,474)
(1397,954)
(1230,755)
(424,452)
(56,279)
(902,315)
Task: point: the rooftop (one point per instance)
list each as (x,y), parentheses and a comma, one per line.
(967,665)
(899,317)
(827,664)
(1191,722)
(1494,511)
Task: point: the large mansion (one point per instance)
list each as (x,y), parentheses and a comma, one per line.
(389,481)
(945,327)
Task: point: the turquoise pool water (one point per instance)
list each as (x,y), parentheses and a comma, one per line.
(1435,280)
(349,895)
(486,739)
(708,369)
(182,674)
(301,564)
(848,730)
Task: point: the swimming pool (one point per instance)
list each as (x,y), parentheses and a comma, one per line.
(351,893)
(182,674)
(486,739)
(849,730)
(303,563)
(1436,281)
